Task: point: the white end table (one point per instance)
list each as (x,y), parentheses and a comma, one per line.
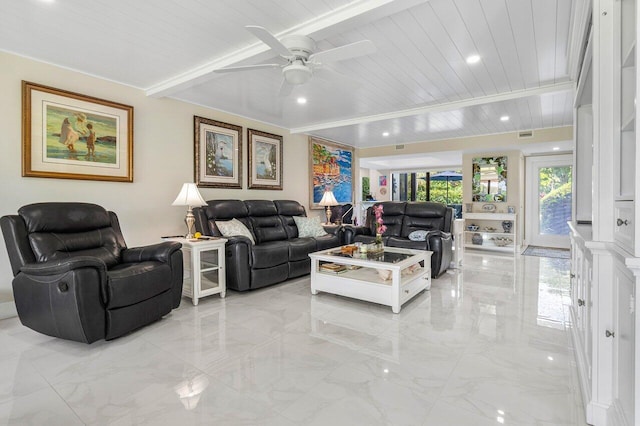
(204,272)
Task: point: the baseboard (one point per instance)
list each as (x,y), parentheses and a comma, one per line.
(8,310)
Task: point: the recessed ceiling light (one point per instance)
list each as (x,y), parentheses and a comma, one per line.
(556,148)
(302,100)
(473,59)
(385,134)
(504,118)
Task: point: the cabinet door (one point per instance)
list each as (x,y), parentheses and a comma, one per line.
(623,342)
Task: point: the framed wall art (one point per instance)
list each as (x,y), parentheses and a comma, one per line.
(331,166)
(67,135)
(218,153)
(265,160)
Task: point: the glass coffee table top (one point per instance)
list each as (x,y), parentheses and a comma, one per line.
(382,256)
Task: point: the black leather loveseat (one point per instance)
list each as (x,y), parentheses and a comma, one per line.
(278,253)
(403,218)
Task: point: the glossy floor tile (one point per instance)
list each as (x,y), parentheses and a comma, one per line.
(487,345)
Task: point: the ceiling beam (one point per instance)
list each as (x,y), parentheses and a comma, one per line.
(335,22)
(448,106)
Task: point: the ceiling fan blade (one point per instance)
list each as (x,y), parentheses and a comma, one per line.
(248,67)
(285,89)
(270,40)
(348,51)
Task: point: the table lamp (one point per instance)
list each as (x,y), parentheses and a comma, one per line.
(328,200)
(189,196)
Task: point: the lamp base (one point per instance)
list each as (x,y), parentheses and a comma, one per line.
(190,220)
(328,216)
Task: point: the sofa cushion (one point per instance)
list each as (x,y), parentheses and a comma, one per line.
(234,228)
(392,217)
(406,243)
(268,228)
(309,227)
(420,235)
(131,283)
(270,254)
(287,209)
(299,248)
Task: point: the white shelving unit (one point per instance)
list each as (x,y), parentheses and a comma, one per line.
(486,221)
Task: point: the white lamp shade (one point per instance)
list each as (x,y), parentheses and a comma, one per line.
(328,199)
(189,196)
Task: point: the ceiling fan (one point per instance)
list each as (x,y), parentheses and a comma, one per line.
(302,60)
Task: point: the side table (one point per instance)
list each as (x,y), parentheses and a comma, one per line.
(204,272)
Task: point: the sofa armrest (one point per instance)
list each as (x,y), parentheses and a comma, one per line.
(350,233)
(64,298)
(239,259)
(160,252)
(441,244)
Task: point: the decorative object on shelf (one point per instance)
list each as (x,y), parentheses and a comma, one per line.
(490,229)
(489,208)
(380,227)
(218,153)
(60,131)
(330,164)
(502,241)
(511,209)
(328,200)
(189,196)
(265,160)
(472,227)
(476,239)
(506,226)
(489,179)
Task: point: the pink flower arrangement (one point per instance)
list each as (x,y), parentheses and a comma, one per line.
(380,227)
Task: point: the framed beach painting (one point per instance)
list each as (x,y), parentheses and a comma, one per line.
(218,154)
(265,160)
(67,135)
(331,166)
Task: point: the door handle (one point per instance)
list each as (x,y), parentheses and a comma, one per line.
(580,302)
(621,222)
(609,333)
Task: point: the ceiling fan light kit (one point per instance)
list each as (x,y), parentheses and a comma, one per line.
(297,73)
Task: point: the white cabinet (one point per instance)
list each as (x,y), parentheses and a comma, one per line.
(626,156)
(622,336)
(491,231)
(581,306)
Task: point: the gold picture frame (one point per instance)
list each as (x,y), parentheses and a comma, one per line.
(217,153)
(67,135)
(265,160)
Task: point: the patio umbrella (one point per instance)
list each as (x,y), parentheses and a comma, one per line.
(447,176)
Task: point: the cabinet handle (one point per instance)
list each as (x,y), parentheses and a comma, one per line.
(572,275)
(406,291)
(621,222)
(580,302)
(609,333)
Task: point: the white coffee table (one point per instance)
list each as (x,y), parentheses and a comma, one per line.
(367,283)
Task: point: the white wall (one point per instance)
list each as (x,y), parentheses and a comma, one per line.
(163,158)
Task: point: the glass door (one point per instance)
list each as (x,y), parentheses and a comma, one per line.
(548,195)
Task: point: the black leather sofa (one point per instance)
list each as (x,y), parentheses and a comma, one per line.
(278,253)
(75,278)
(401,219)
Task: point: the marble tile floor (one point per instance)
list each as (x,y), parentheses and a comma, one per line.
(487,345)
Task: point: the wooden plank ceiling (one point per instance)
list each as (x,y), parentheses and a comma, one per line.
(417,86)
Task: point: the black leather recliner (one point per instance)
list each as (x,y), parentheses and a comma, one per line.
(75,278)
(401,219)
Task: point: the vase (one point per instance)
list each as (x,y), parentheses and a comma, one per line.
(476,239)
(378,242)
(506,226)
